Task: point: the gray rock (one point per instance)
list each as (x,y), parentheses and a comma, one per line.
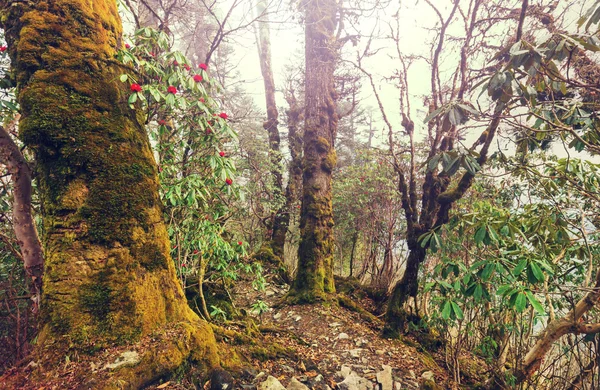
(277,316)
(344,372)
(297,318)
(428,376)
(295,384)
(412,374)
(355,353)
(259,376)
(271,384)
(335,324)
(269,293)
(384,378)
(318,378)
(342,336)
(127,358)
(355,382)
(380,352)
(397,386)
(287,368)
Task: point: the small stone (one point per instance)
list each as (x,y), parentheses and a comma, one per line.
(271,384)
(297,318)
(127,358)
(355,353)
(287,368)
(411,373)
(318,378)
(277,316)
(428,376)
(260,375)
(342,336)
(295,384)
(335,324)
(355,382)
(269,293)
(380,352)
(364,360)
(397,386)
(344,372)
(384,378)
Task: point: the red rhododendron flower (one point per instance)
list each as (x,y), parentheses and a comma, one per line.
(202,100)
(127,46)
(208,130)
(187,67)
(223,115)
(195,251)
(162,122)
(203,66)
(228,181)
(172,90)
(222,153)
(152,55)
(135,87)
(175,63)
(197,78)
(240,243)
(3,48)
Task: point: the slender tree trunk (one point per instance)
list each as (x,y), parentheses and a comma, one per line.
(23,223)
(314,279)
(354,241)
(280,218)
(109,274)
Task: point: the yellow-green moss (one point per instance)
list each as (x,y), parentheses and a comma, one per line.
(109,276)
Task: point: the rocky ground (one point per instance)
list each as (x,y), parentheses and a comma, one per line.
(331,347)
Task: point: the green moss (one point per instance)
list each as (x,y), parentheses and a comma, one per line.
(96,297)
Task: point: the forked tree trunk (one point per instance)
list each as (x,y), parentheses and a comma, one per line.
(109,275)
(314,279)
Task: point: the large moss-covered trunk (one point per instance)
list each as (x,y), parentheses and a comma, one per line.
(315,254)
(109,276)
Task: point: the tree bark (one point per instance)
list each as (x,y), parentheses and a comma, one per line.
(280,220)
(396,318)
(572,322)
(109,275)
(23,223)
(314,279)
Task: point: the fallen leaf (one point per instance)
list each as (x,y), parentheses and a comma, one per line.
(163,385)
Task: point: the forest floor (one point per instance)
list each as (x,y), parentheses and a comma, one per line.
(321,346)
(323,343)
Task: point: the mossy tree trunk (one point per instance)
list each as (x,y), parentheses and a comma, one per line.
(109,276)
(314,279)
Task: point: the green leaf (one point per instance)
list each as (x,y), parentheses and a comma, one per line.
(520,302)
(123,78)
(488,271)
(478,293)
(537,272)
(520,267)
(535,303)
(480,235)
(457,311)
(433,115)
(446,310)
(132,98)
